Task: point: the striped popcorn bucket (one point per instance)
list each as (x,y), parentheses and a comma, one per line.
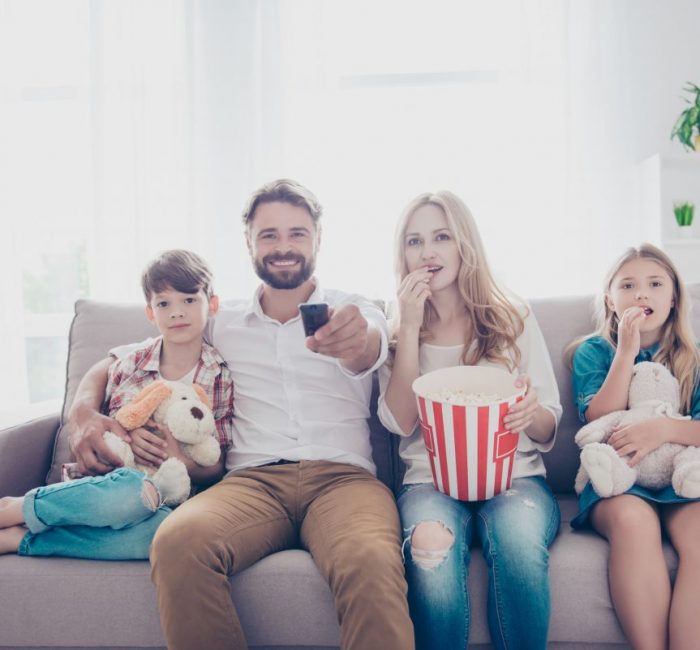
(471,453)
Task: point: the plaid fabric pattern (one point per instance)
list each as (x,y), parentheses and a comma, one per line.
(134,372)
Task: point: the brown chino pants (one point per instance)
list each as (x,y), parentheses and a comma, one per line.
(340,513)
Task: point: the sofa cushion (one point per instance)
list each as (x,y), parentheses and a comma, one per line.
(562,320)
(77,601)
(96,328)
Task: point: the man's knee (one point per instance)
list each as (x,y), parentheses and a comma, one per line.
(177,542)
(431,542)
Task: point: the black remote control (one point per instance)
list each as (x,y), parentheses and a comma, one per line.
(313,315)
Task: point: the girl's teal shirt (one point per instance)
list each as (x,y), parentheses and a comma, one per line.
(591,363)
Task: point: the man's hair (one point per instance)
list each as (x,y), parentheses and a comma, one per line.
(283,190)
(177,269)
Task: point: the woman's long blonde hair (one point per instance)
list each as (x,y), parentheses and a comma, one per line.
(678,350)
(496,323)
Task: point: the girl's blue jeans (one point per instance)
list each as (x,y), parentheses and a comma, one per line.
(515,529)
(97,517)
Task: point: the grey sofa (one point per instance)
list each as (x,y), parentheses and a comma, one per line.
(282,600)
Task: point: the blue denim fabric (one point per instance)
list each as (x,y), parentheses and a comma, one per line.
(515,530)
(97,517)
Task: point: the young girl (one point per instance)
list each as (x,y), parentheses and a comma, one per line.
(115,516)
(644,317)
(451,312)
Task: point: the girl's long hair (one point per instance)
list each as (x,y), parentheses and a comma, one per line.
(496,322)
(678,350)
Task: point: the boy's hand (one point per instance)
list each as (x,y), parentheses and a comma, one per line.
(150,447)
(88,446)
(147,447)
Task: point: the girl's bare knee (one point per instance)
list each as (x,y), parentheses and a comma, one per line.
(629,519)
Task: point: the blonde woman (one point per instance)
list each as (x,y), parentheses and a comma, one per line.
(644,317)
(451,312)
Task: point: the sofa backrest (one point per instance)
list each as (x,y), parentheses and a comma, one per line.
(99,326)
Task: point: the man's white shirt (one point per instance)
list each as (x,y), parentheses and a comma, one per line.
(289,402)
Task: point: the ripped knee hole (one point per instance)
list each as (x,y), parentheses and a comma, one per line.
(431,541)
(150,495)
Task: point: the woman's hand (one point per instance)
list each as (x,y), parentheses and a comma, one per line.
(638,439)
(412,294)
(628,337)
(522,414)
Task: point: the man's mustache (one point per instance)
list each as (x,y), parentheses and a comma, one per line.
(289,257)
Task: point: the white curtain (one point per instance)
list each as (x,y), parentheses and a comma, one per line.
(133,126)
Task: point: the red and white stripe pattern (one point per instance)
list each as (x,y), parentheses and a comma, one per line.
(471,455)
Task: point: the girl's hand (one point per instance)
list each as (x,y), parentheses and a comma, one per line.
(638,439)
(628,338)
(522,414)
(412,294)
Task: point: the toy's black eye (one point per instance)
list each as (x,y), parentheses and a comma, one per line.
(183,398)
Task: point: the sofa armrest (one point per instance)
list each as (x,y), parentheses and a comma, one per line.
(25,454)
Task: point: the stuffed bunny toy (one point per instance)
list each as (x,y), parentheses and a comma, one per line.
(185,410)
(653,392)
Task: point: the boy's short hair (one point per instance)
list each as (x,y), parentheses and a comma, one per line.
(177,269)
(283,190)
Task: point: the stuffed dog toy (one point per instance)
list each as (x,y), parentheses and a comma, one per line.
(653,392)
(185,410)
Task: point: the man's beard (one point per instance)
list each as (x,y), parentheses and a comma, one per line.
(281,278)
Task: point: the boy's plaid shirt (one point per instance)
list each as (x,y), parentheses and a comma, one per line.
(129,375)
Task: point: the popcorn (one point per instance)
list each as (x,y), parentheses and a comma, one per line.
(461,410)
(462,397)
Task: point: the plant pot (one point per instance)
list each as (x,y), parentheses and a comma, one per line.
(685,232)
(697,143)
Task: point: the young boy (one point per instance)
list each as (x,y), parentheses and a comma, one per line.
(114,517)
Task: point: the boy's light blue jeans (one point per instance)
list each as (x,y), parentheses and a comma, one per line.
(515,530)
(97,517)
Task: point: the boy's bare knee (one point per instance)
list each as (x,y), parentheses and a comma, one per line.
(151,496)
(431,542)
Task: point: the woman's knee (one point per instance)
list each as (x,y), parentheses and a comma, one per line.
(431,542)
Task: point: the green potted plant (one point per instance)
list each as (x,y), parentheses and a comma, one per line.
(687,128)
(684,212)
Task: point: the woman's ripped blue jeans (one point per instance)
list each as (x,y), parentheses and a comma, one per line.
(515,530)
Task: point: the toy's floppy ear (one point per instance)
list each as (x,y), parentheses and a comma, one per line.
(136,413)
(203,397)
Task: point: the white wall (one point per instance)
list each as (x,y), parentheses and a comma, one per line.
(629,60)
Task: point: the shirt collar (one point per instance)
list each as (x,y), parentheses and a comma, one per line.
(254,308)
(209,357)
(646,354)
(151,360)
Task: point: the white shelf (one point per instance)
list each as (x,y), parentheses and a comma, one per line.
(666,179)
(693,241)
